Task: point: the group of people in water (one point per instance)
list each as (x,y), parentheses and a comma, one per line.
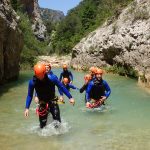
(44,81)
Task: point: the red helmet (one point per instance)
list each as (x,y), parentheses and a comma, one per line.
(87,77)
(65,66)
(65,80)
(99,71)
(39,70)
(93,69)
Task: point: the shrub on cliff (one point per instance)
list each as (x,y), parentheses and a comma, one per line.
(83,19)
(32,47)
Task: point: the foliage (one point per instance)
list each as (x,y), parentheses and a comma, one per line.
(15,4)
(83,19)
(32,47)
(122,70)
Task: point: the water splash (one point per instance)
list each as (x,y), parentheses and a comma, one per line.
(103,108)
(53,128)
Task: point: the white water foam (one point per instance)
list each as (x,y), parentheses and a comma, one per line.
(103,108)
(50,129)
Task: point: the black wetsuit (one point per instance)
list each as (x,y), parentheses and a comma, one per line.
(45,90)
(66,74)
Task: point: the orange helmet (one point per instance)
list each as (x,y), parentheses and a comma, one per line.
(87,77)
(65,80)
(39,70)
(93,69)
(99,71)
(64,66)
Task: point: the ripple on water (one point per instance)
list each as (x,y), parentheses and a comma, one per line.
(103,108)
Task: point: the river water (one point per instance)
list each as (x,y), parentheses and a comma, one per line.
(123,124)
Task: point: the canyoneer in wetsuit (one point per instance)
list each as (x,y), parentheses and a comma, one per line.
(98,90)
(87,79)
(44,85)
(66,74)
(48,71)
(68,86)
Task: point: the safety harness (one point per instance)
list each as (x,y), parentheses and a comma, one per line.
(43,110)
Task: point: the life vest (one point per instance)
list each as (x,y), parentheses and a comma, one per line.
(45,88)
(98,89)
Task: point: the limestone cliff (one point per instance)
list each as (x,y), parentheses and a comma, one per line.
(51,15)
(125,42)
(32,8)
(11,42)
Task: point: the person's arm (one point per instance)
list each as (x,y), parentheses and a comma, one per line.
(60,78)
(60,86)
(30,94)
(70,76)
(60,92)
(29,98)
(89,87)
(107,88)
(83,88)
(73,87)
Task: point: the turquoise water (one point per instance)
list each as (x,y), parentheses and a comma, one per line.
(124,124)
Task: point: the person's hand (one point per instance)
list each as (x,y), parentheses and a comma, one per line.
(72,101)
(36,100)
(103,98)
(88,105)
(26,112)
(61,99)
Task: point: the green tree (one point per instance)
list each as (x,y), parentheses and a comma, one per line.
(83,19)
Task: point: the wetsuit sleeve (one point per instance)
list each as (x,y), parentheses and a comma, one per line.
(107,88)
(60,78)
(60,91)
(60,86)
(73,87)
(35,94)
(70,75)
(83,88)
(30,93)
(90,85)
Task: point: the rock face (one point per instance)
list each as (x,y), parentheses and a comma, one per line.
(51,15)
(32,8)
(11,42)
(125,42)
(56,61)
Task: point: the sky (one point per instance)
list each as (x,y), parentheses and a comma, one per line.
(63,5)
